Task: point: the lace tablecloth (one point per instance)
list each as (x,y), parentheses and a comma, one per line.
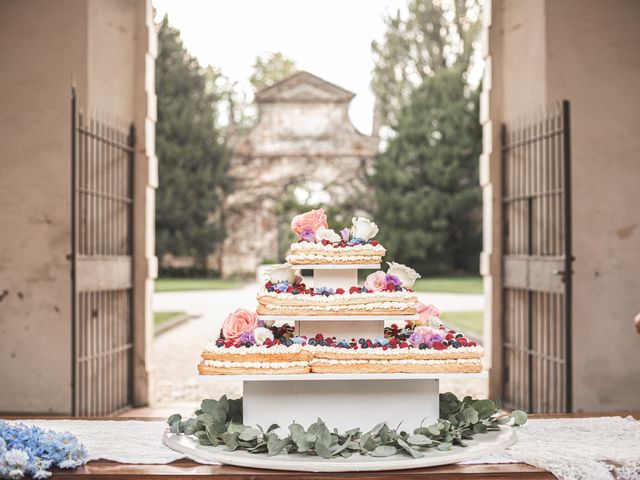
(602,448)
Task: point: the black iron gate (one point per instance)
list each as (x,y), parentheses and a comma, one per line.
(102,265)
(536,212)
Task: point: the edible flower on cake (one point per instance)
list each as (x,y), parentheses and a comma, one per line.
(407,275)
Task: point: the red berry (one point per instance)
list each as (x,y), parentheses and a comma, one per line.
(472,344)
(340,291)
(355,347)
(289,289)
(438,346)
(268,284)
(325,242)
(449,336)
(319,336)
(374,242)
(354,289)
(404,345)
(335,245)
(304,344)
(384,347)
(463,341)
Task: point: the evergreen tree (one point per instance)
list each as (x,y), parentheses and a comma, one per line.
(435,34)
(271,69)
(426,183)
(192,155)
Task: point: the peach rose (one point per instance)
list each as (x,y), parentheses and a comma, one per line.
(429,315)
(239,322)
(377,281)
(313,220)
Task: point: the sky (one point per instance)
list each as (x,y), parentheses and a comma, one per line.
(329,38)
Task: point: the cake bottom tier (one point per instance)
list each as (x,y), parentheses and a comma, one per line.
(336,310)
(250,368)
(396,366)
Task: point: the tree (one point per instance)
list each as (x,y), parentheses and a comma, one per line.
(192,155)
(427,193)
(436,34)
(271,69)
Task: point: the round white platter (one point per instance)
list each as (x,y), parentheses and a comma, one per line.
(481,446)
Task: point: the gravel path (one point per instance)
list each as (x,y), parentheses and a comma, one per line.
(176,352)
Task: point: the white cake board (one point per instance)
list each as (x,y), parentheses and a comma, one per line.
(341,403)
(481,446)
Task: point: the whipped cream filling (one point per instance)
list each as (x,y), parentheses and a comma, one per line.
(227,364)
(339,298)
(406,361)
(211,347)
(309,246)
(339,308)
(391,352)
(336,258)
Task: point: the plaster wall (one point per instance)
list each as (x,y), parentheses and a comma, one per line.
(595,64)
(100,46)
(541,51)
(44,47)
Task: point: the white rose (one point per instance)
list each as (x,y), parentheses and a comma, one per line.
(434,322)
(281,273)
(363,228)
(407,276)
(327,234)
(261,334)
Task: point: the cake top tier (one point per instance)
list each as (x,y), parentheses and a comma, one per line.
(318,244)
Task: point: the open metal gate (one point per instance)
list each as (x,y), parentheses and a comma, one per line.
(102,265)
(537,258)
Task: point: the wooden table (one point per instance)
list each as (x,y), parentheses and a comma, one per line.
(185,469)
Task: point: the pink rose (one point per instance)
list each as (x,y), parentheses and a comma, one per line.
(426,312)
(313,220)
(376,282)
(239,322)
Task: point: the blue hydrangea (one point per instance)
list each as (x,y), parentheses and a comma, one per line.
(324,291)
(32,451)
(356,241)
(281,286)
(298,340)
(381,340)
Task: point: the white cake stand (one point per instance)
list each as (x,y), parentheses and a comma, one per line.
(481,446)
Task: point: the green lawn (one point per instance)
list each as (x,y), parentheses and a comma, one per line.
(186,284)
(469,284)
(161,317)
(469,321)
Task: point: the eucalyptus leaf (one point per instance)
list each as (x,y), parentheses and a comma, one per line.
(224,403)
(337,449)
(275,445)
(322,449)
(189,426)
(175,427)
(208,405)
(407,448)
(519,417)
(384,451)
(470,415)
(444,446)
(419,439)
(176,417)
(249,434)
(236,427)
(272,427)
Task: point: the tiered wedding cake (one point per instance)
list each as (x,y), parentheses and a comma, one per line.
(339,325)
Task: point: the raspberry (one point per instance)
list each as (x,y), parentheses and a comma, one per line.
(325,242)
(404,345)
(374,242)
(289,289)
(394,326)
(384,347)
(340,291)
(463,341)
(449,336)
(268,284)
(319,336)
(472,344)
(354,290)
(438,345)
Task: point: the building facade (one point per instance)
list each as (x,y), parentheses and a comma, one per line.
(303,134)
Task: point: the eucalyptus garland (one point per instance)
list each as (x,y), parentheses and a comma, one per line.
(219,422)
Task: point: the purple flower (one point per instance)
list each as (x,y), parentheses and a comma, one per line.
(308,235)
(247,337)
(426,335)
(261,322)
(345,234)
(392,281)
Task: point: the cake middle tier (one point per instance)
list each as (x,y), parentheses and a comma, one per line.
(307,253)
(356,303)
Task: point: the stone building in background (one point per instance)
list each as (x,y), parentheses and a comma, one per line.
(303,135)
